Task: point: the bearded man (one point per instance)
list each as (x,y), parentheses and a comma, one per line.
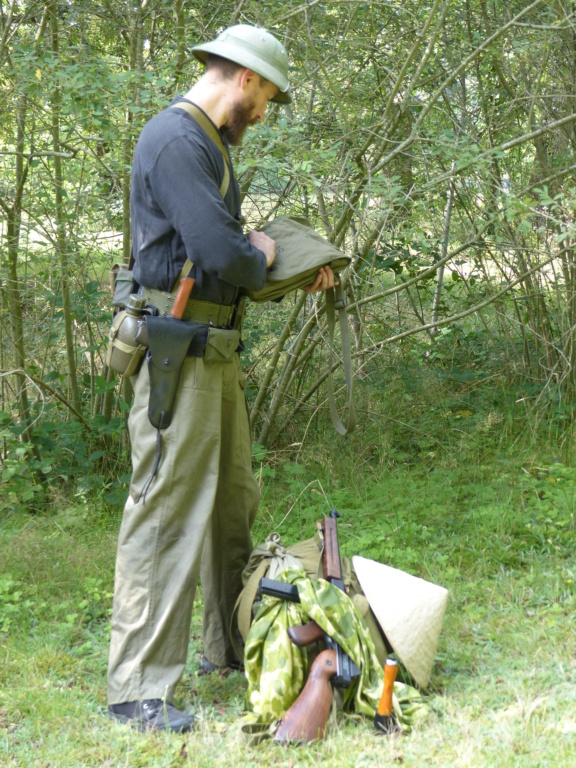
(193,497)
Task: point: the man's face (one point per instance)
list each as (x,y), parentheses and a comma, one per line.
(248,109)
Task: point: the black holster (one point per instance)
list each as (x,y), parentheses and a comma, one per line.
(168,343)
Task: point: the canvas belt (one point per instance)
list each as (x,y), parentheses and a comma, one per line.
(196,311)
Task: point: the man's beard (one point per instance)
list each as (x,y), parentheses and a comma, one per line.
(239,118)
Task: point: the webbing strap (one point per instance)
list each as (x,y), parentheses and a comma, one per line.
(184,272)
(209,129)
(243,608)
(212,133)
(335,301)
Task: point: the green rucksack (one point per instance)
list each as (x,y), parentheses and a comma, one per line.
(269,559)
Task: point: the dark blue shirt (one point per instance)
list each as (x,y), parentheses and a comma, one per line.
(177,212)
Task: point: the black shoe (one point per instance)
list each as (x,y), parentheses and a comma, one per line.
(207,667)
(151,714)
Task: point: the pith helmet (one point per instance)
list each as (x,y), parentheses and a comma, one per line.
(255,48)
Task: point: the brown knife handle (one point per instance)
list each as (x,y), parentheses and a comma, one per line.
(184,291)
(386,706)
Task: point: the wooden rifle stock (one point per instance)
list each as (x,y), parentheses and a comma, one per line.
(306,719)
(305,634)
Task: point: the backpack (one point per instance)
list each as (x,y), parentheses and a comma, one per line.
(269,559)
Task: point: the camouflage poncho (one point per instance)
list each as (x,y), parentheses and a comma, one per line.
(276,669)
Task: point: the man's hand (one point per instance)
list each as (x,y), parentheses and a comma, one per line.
(265,244)
(324,280)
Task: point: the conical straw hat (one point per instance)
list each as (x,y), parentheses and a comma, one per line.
(409,610)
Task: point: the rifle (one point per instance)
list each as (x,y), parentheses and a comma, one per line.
(306,719)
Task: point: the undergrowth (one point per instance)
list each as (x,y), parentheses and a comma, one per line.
(498,533)
(449,476)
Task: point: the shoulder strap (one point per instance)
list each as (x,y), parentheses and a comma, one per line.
(184,272)
(212,133)
(209,129)
(335,301)
(242,614)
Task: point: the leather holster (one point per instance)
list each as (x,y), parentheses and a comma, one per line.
(168,343)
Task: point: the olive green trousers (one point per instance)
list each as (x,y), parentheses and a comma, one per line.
(193,522)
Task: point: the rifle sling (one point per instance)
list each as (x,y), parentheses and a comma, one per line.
(210,130)
(335,301)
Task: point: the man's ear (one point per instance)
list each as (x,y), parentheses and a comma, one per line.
(246,78)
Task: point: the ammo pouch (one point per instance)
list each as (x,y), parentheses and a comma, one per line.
(122,284)
(168,341)
(221,345)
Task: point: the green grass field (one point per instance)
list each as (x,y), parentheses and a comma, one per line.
(499,534)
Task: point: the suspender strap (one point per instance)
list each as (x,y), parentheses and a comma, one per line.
(205,312)
(184,272)
(209,129)
(335,301)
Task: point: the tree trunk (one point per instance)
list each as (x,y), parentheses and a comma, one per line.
(60,216)
(13,294)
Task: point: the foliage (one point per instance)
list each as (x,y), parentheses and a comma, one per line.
(495,531)
(434,142)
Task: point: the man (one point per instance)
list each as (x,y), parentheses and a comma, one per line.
(193,497)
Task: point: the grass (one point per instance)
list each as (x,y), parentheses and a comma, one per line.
(496,530)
